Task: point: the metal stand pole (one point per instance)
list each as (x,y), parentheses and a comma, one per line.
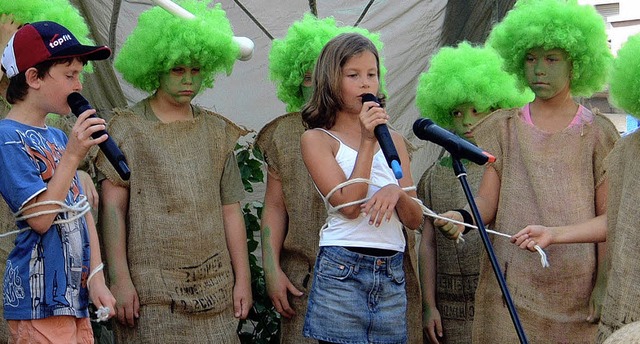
(461,174)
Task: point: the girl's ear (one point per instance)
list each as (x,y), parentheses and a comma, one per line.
(32,79)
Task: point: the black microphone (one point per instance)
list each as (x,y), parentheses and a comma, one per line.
(385,141)
(458,147)
(79,105)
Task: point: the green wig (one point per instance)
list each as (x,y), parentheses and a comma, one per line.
(466,75)
(162,41)
(624,87)
(59,11)
(295,54)
(577,29)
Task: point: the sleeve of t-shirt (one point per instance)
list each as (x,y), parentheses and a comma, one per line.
(21,180)
(231,187)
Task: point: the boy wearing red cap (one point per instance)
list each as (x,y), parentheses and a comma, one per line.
(55,266)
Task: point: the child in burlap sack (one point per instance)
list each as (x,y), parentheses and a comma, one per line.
(174,233)
(549,170)
(358,292)
(619,226)
(462,86)
(294,211)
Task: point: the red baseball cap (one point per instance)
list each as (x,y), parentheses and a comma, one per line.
(42,41)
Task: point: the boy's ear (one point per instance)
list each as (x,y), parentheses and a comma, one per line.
(32,79)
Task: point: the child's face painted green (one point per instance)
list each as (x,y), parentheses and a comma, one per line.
(307,86)
(548,72)
(465,116)
(182,83)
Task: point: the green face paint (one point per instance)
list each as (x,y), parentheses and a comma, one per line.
(548,72)
(306,92)
(181,83)
(306,87)
(465,116)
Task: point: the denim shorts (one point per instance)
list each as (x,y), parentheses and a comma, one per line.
(357,298)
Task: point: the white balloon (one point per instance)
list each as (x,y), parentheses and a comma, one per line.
(246,47)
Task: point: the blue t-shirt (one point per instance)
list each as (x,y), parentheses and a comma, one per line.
(45,274)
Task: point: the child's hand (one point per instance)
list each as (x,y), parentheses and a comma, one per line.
(382,205)
(127,302)
(278,288)
(371,115)
(533,235)
(102,297)
(242,300)
(432,324)
(450,229)
(80,140)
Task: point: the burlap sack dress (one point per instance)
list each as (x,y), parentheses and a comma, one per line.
(622,298)
(547,179)
(279,141)
(458,265)
(177,253)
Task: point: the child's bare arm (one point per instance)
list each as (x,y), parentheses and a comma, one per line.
(98,291)
(431,320)
(236,237)
(113,214)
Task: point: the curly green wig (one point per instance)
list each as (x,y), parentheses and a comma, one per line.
(59,11)
(624,87)
(577,29)
(295,54)
(162,41)
(466,75)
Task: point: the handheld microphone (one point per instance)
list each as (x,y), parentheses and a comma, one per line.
(79,105)
(458,147)
(385,141)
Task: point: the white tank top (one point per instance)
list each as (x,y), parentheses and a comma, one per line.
(340,231)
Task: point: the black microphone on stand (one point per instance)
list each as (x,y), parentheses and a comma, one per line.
(425,129)
(79,105)
(385,141)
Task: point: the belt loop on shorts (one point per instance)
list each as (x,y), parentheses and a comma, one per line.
(356,266)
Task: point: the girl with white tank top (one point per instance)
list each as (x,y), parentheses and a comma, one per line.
(358,292)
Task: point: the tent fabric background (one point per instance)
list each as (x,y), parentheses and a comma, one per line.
(410,30)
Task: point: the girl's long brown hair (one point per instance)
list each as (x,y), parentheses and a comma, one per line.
(320,111)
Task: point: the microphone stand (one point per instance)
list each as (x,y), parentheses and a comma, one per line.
(461,174)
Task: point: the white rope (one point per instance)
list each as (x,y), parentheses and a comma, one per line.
(102,314)
(425,211)
(94,272)
(75,211)
(543,256)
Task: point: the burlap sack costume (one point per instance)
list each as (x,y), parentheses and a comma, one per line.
(546,179)
(279,141)
(458,265)
(628,334)
(621,301)
(177,253)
